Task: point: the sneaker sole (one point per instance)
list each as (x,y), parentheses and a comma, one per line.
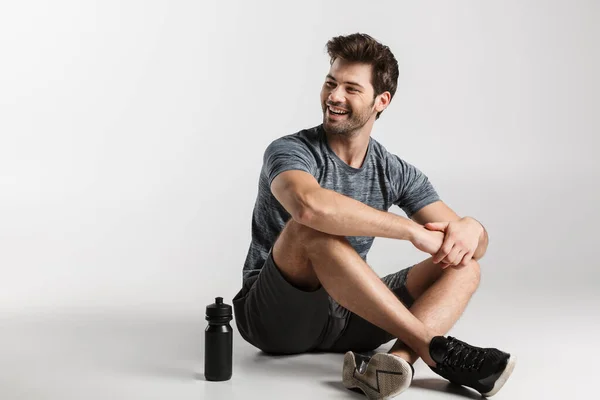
(510,365)
(385,376)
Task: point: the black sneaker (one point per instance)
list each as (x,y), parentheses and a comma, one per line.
(382,376)
(485,370)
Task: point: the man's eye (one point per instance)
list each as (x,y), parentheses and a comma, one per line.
(352,90)
(330,84)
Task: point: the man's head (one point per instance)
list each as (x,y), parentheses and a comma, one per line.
(361,82)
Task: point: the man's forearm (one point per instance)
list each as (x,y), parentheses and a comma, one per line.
(330,212)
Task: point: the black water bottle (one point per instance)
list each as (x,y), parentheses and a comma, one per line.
(218,344)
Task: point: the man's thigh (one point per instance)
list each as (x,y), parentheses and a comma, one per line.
(278,317)
(408,285)
(359,334)
(421,276)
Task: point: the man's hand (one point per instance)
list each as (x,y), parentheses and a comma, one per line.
(426,240)
(460,241)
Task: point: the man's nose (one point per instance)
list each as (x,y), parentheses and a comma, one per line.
(336,95)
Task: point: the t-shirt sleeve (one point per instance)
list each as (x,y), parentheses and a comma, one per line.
(287,153)
(413,190)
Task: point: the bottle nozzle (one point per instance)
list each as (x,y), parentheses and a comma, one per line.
(219,309)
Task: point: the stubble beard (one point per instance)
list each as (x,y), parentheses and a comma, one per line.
(348,127)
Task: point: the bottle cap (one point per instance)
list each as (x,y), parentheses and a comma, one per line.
(218,309)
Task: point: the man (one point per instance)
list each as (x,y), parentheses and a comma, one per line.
(323,196)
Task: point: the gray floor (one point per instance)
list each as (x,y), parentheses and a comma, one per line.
(132,355)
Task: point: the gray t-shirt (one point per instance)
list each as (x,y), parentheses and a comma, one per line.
(383,180)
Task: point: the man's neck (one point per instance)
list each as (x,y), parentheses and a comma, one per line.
(351,149)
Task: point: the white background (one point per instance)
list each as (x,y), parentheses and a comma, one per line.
(132,135)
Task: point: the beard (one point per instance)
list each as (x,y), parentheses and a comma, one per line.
(349,124)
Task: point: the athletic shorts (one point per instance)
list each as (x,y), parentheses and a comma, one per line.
(278,318)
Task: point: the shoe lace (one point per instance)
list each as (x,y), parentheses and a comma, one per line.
(463,356)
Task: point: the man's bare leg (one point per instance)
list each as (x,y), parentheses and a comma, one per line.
(441,298)
(308,258)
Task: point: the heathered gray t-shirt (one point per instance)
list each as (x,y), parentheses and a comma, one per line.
(383,180)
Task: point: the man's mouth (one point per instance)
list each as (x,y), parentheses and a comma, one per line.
(336,112)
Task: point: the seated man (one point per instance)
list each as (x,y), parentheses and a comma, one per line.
(324,194)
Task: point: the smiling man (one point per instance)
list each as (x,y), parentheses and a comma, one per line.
(324,195)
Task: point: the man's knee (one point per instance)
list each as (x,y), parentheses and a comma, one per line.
(476,271)
(472,274)
(297,232)
(306,237)
(291,258)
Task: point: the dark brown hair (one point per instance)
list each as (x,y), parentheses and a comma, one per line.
(360,47)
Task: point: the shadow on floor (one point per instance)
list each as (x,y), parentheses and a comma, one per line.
(442,385)
(338,385)
(437,385)
(307,364)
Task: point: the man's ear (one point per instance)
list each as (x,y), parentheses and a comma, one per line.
(382,101)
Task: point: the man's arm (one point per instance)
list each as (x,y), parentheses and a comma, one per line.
(330,212)
(440,212)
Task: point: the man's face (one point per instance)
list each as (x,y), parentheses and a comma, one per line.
(347,90)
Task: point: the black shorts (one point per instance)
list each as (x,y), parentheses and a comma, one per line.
(278,318)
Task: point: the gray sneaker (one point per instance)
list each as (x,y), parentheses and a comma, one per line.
(382,376)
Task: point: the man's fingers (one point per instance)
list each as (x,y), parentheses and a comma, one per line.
(443,252)
(467,258)
(457,257)
(436,226)
(454,257)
